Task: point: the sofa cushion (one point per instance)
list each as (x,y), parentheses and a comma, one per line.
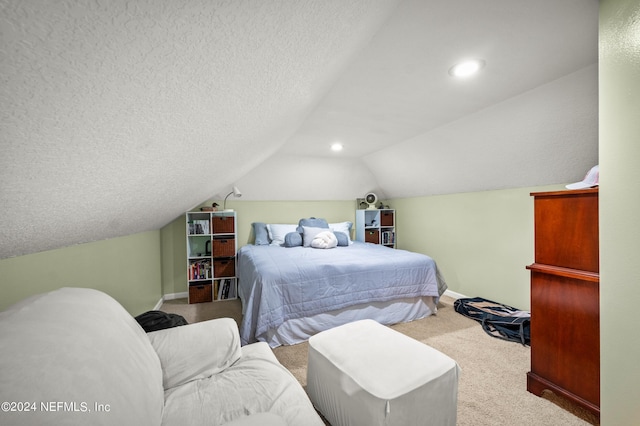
(79,347)
(196,351)
(254,384)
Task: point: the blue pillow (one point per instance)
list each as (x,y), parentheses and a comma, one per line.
(342,227)
(260,231)
(343,239)
(312,222)
(293,239)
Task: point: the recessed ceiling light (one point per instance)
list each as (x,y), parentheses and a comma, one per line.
(466,68)
(336,147)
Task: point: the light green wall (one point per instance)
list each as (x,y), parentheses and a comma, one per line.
(619,152)
(481,241)
(174,278)
(127,268)
(174,261)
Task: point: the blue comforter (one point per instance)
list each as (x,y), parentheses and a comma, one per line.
(277,283)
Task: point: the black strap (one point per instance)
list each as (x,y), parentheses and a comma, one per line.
(489,327)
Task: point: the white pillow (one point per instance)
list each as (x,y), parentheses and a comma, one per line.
(309,233)
(342,227)
(277,231)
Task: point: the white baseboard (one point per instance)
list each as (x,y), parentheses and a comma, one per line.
(171,296)
(157,307)
(454,295)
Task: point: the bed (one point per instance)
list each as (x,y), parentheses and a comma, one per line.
(291,293)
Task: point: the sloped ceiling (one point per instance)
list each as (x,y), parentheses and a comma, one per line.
(119,116)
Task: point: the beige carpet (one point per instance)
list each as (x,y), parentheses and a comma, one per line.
(493,385)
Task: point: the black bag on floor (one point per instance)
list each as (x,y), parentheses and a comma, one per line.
(497,319)
(158,320)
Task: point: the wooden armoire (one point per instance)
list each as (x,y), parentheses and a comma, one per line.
(565,281)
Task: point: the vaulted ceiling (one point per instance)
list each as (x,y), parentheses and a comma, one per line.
(112,110)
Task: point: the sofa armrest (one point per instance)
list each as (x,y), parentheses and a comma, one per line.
(196,351)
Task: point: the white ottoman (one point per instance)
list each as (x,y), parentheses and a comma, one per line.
(364,373)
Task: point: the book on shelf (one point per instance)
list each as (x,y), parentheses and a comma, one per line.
(226,289)
(232,290)
(221,286)
(225,294)
(388,237)
(200,270)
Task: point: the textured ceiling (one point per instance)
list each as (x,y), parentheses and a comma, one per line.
(399,86)
(118,116)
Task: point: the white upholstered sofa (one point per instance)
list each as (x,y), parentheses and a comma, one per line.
(75,356)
